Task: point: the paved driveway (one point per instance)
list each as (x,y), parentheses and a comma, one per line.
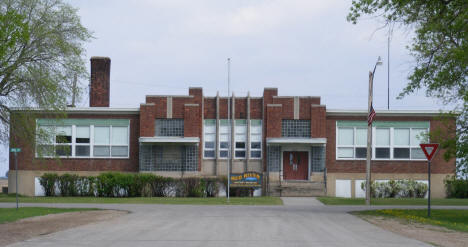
(300,222)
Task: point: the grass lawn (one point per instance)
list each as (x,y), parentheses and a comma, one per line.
(450,218)
(393,201)
(11,214)
(149,200)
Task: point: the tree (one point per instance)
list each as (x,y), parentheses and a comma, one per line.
(440,49)
(41,50)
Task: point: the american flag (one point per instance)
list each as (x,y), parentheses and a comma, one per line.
(371,116)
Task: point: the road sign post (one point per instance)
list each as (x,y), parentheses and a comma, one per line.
(429,150)
(16,151)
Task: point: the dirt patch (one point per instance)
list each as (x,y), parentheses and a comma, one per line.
(42,225)
(438,236)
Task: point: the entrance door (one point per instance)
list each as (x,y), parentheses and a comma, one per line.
(295,165)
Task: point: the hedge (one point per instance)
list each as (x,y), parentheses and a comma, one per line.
(456,188)
(113,184)
(397,189)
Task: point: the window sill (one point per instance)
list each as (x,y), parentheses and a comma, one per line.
(82,158)
(343,159)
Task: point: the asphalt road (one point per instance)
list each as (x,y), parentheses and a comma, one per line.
(300,222)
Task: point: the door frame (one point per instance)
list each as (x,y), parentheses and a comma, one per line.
(296,149)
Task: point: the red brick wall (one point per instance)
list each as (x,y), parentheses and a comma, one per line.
(160,106)
(273,121)
(317,121)
(241,108)
(256,106)
(288,107)
(223,108)
(192,121)
(210,108)
(99,92)
(439,165)
(27,161)
(304,106)
(147,119)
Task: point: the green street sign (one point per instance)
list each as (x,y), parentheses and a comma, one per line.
(15,150)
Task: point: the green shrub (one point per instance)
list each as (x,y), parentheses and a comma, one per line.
(398,188)
(113,184)
(211,187)
(86,186)
(456,188)
(67,184)
(47,182)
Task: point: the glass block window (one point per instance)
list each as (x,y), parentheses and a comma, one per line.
(318,158)
(273,158)
(295,128)
(224,138)
(83,138)
(169,127)
(209,138)
(255,139)
(168,158)
(240,138)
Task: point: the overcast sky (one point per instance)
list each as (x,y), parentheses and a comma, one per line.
(302,47)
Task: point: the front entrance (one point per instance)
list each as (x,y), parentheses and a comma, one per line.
(295,165)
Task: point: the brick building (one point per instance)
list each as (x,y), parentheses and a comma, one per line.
(297,144)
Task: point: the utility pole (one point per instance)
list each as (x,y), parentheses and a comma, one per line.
(230,128)
(369,142)
(369,132)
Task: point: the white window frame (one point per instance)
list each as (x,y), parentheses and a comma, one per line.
(374,146)
(91,143)
(228,135)
(205,134)
(239,136)
(251,138)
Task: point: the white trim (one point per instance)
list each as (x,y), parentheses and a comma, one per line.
(286,140)
(411,113)
(169,139)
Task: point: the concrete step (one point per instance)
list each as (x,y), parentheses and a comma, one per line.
(296,188)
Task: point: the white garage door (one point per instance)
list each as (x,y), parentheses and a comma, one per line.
(359,192)
(343,188)
(38,190)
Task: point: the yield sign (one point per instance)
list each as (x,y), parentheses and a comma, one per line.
(429,150)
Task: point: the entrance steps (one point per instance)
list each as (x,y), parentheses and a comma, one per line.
(297,188)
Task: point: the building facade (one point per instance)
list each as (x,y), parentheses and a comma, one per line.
(299,146)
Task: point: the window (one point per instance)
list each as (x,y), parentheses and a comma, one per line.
(169,127)
(83,139)
(352,143)
(382,143)
(295,128)
(418,136)
(256,139)
(240,138)
(224,137)
(391,140)
(209,138)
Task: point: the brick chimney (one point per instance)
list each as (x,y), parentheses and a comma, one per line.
(99,89)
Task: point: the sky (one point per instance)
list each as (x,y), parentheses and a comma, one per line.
(302,47)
